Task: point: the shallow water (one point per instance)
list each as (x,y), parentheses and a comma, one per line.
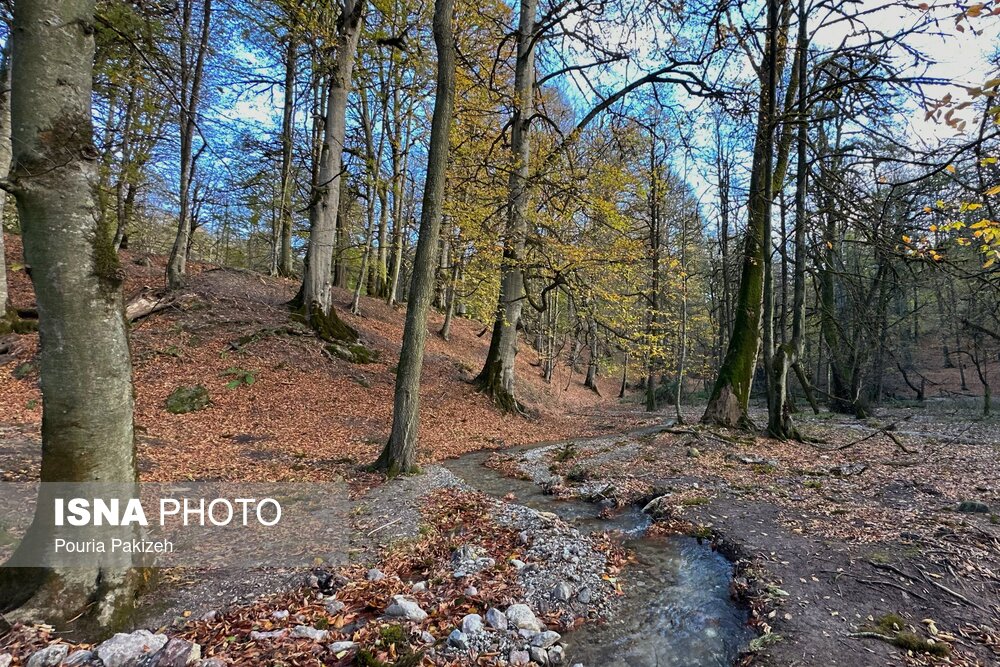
(677,609)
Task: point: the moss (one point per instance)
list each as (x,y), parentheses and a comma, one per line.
(187,399)
(391,635)
(694,501)
(888,624)
(23,370)
(911,642)
(327,326)
(355,353)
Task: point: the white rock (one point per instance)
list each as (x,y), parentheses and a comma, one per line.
(495,619)
(557,655)
(280,615)
(471,591)
(472,623)
(521,616)
(403,607)
(339,647)
(124,649)
(519,657)
(375,574)
(6,659)
(419,586)
(307,632)
(334,607)
(267,636)
(545,639)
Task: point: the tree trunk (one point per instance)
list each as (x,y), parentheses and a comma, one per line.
(287,145)
(400,453)
(191,75)
(5,156)
(787,354)
(316,297)
(497,377)
(85,368)
(730,396)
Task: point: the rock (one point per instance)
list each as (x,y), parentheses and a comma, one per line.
(472,623)
(520,616)
(215,662)
(469,559)
(495,619)
(280,615)
(419,587)
(355,353)
(539,655)
(334,607)
(427,637)
(519,657)
(6,659)
(403,607)
(693,452)
(76,659)
(458,639)
(845,470)
(210,616)
(584,595)
(471,591)
(175,653)
(545,639)
(375,574)
(973,507)
(187,399)
(518,564)
(522,537)
(563,592)
(267,636)
(557,655)
(659,507)
(50,656)
(340,647)
(124,650)
(308,632)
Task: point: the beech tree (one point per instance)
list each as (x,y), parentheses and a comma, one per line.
(399,455)
(85,366)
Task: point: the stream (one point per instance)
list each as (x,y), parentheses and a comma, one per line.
(677,609)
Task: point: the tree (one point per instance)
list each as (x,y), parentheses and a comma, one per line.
(316,282)
(399,455)
(193,50)
(5,155)
(728,403)
(496,378)
(85,367)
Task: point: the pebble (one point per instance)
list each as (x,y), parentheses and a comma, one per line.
(563,592)
(471,591)
(375,574)
(124,650)
(539,655)
(334,607)
(519,657)
(280,615)
(419,587)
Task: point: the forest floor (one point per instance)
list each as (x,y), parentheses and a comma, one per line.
(880,534)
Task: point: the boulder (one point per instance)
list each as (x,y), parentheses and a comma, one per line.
(495,619)
(188,399)
(458,639)
(472,623)
(545,639)
(175,653)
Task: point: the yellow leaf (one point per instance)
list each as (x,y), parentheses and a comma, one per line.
(995,190)
(933,228)
(950,169)
(906,239)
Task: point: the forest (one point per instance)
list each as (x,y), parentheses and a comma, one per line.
(473,332)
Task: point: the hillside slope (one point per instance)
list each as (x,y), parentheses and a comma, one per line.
(305,415)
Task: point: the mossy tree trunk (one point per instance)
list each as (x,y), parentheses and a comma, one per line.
(86,378)
(400,454)
(317,299)
(730,397)
(497,377)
